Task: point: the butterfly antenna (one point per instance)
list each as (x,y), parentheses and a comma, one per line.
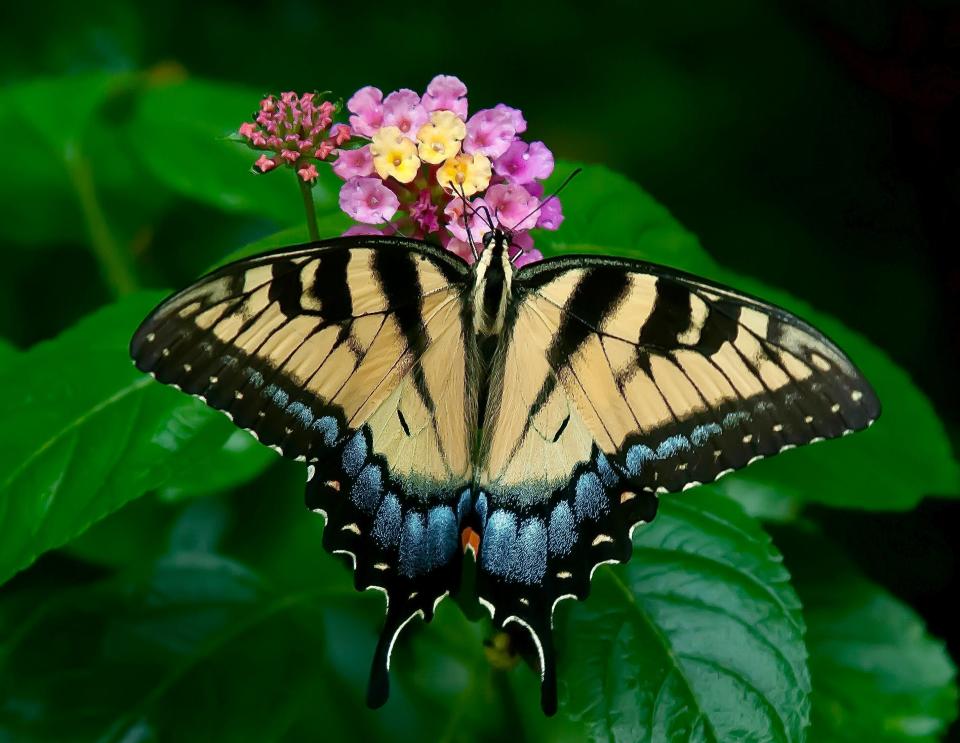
(466,226)
(551,196)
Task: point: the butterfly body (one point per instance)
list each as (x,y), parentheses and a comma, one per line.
(536,414)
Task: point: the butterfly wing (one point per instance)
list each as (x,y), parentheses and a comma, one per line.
(351,355)
(618,380)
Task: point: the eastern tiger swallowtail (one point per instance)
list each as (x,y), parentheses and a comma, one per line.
(535,415)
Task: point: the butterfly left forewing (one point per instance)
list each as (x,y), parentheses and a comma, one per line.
(619,380)
(351,355)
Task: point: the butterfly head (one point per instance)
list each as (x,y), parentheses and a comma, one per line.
(497,240)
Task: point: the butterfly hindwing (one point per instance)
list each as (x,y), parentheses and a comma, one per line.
(618,380)
(350,355)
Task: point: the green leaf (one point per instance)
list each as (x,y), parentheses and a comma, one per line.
(41,187)
(84,432)
(183,133)
(699,637)
(904,457)
(606,212)
(7,353)
(241,458)
(877,674)
(169,652)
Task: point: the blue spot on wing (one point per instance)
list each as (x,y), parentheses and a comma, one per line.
(499,543)
(441,536)
(671,446)
(366,489)
(386,526)
(481,507)
(562,536)
(327,428)
(300,413)
(530,555)
(412,546)
(354,454)
(589,499)
(732,419)
(463,507)
(637,456)
(701,434)
(607,473)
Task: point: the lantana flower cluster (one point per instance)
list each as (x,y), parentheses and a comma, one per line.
(409,162)
(297,130)
(425,151)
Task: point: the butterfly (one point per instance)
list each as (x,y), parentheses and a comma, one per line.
(531,416)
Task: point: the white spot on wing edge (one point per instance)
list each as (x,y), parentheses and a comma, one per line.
(489,606)
(602,562)
(311,472)
(353,557)
(396,634)
(536,641)
(438,599)
(556,601)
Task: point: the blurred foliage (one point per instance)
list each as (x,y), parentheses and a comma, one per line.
(181,591)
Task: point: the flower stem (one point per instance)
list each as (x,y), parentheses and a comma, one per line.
(114,263)
(306,191)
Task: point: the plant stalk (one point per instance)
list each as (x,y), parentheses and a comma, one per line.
(306,192)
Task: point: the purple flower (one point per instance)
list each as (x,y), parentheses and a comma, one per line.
(367,107)
(524,163)
(402,109)
(476,225)
(490,132)
(461,248)
(551,215)
(516,118)
(353,163)
(447,93)
(424,213)
(368,200)
(527,256)
(363,229)
(512,205)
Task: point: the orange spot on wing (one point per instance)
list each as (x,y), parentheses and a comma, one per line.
(469,539)
(335,484)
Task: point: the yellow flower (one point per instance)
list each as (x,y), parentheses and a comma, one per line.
(441,138)
(394,155)
(471,173)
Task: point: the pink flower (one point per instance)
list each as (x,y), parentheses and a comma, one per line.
(551,215)
(527,256)
(447,93)
(367,106)
(264,164)
(461,248)
(294,131)
(363,229)
(475,223)
(353,163)
(516,118)
(368,200)
(490,132)
(524,163)
(424,213)
(402,109)
(309,173)
(512,205)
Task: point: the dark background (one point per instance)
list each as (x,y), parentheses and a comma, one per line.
(812,144)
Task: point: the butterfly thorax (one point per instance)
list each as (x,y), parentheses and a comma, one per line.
(493,276)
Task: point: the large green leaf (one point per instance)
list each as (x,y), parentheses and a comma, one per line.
(200,647)
(183,131)
(877,674)
(905,456)
(698,638)
(83,432)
